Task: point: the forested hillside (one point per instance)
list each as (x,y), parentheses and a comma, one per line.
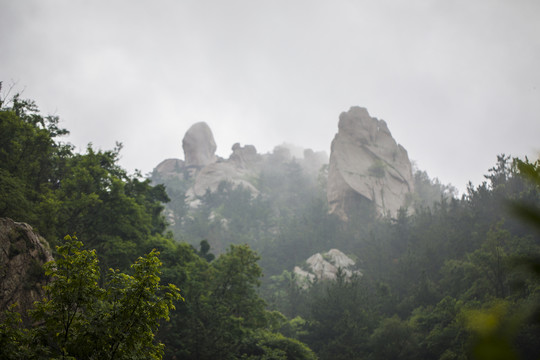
(447,278)
(90,309)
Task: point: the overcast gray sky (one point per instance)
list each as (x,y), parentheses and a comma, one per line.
(457,81)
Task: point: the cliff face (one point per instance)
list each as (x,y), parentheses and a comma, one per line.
(22,255)
(367,163)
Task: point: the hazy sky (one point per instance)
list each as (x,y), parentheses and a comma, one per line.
(457,81)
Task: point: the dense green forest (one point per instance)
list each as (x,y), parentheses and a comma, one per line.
(445,277)
(449,278)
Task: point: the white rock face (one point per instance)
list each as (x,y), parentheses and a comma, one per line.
(325,267)
(367,163)
(199,145)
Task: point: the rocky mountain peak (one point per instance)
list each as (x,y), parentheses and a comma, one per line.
(366,163)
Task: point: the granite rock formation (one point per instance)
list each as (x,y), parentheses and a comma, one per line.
(170,168)
(199,146)
(238,170)
(326,267)
(22,255)
(203,171)
(367,163)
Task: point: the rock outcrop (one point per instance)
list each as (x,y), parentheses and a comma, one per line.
(239,170)
(199,146)
(326,267)
(203,171)
(366,163)
(244,157)
(170,168)
(22,255)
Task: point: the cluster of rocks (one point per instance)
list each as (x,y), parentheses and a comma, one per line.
(242,168)
(366,164)
(325,266)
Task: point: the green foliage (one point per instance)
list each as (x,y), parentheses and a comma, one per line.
(80,319)
(29,157)
(378,169)
(424,275)
(529,210)
(509,329)
(90,315)
(491,340)
(221,307)
(393,339)
(421,270)
(204,251)
(98,199)
(59,192)
(230,215)
(339,318)
(428,192)
(265,345)
(15,341)
(237,276)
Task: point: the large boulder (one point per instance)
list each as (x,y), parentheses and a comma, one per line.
(22,255)
(366,163)
(199,146)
